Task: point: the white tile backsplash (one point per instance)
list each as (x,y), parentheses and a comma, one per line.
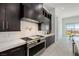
(29,26)
(6,36)
(25,26)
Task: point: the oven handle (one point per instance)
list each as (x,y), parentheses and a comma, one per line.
(35,44)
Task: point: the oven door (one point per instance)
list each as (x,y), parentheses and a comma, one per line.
(37,49)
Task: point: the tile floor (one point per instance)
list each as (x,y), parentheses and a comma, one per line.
(59,48)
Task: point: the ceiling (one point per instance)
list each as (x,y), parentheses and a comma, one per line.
(63,9)
(61,4)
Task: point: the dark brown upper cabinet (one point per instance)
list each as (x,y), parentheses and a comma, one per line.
(12,17)
(46,14)
(9,16)
(2,17)
(33,10)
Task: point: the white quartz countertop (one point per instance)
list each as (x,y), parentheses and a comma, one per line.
(48,35)
(16,42)
(45,36)
(11,44)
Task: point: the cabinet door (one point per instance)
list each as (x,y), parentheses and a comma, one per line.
(32,10)
(37,7)
(50,40)
(17,51)
(13,17)
(28,11)
(2,17)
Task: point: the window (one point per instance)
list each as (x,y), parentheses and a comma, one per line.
(72,29)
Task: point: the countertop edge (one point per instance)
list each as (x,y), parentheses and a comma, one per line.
(5,48)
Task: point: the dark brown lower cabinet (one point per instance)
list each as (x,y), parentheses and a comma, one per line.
(18,51)
(50,40)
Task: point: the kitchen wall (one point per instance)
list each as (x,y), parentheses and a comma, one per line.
(58,23)
(27,28)
(56,28)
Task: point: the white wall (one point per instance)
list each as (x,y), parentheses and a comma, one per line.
(53,20)
(7,36)
(58,24)
(58,27)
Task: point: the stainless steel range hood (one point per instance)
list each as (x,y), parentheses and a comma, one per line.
(29,20)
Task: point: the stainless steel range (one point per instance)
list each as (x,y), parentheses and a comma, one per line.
(35,44)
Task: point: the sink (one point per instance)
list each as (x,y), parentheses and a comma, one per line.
(26,38)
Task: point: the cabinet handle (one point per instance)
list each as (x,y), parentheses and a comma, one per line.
(7,25)
(3,24)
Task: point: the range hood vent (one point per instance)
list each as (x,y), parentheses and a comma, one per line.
(29,20)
